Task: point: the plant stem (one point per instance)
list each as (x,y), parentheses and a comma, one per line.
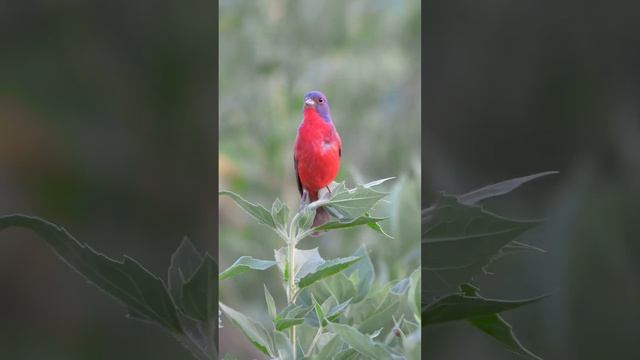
(292,284)
(291,246)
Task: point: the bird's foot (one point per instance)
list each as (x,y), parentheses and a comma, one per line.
(304,201)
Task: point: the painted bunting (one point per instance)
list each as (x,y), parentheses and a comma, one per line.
(317,151)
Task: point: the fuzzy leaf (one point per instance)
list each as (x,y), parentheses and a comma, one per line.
(464,306)
(305,220)
(253,331)
(364,271)
(350,223)
(400,287)
(200,292)
(495,326)
(459,241)
(330,349)
(271,304)
(360,342)
(497,189)
(283,346)
(322,321)
(353,203)
(377,182)
(290,316)
(327,269)
(279,213)
(244,264)
(414,292)
(144,294)
(336,311)
(184,263)
(256,210)
(376,310)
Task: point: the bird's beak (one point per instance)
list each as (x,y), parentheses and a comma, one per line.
(309,102)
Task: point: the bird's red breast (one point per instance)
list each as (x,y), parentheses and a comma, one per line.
(317,151)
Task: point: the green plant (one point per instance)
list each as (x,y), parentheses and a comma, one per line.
(184,306)
(460,239)
(335,309)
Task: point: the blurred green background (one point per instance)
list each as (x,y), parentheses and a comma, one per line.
(365,56)
(107,123)
(513,88)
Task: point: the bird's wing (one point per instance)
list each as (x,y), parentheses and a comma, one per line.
(295,166)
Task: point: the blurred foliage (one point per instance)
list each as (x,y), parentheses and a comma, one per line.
(518,87)
(106,127)
(365,56)
(184,304)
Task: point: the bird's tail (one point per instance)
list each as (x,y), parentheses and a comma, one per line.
(322,216)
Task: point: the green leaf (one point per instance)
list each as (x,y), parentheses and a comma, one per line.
(464,306)
(376,310)
(327,269)
(353,203)
(337,310)
(365,273)
(144,294)
(401,286)
(459,241)
(290,316)
(377,228)
(495,326)
(339,287)
(257,211)
(347,354)
(322,321)
(184,263)
(310,266)
(414,293)
(330,310)
(350,223)
(253,331)
(244,264)
(280,256)
(330,349)
(377,182)
(306,261)
(283,346)
(271,304)
(360,342)
(305,220)
(500,188)
(279,213)
(200,292)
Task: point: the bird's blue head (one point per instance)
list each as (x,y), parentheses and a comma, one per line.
(316,100)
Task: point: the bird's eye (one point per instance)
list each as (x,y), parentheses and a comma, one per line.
(321,100)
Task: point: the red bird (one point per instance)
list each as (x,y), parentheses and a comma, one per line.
(317,151)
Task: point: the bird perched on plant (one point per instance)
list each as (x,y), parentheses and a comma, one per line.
(317,151)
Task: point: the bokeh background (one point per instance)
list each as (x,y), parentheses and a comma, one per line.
(365,56)
(107,127)
(513,88)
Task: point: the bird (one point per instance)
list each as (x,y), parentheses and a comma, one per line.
(317,151)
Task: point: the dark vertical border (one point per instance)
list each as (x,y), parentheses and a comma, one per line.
(215,120)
